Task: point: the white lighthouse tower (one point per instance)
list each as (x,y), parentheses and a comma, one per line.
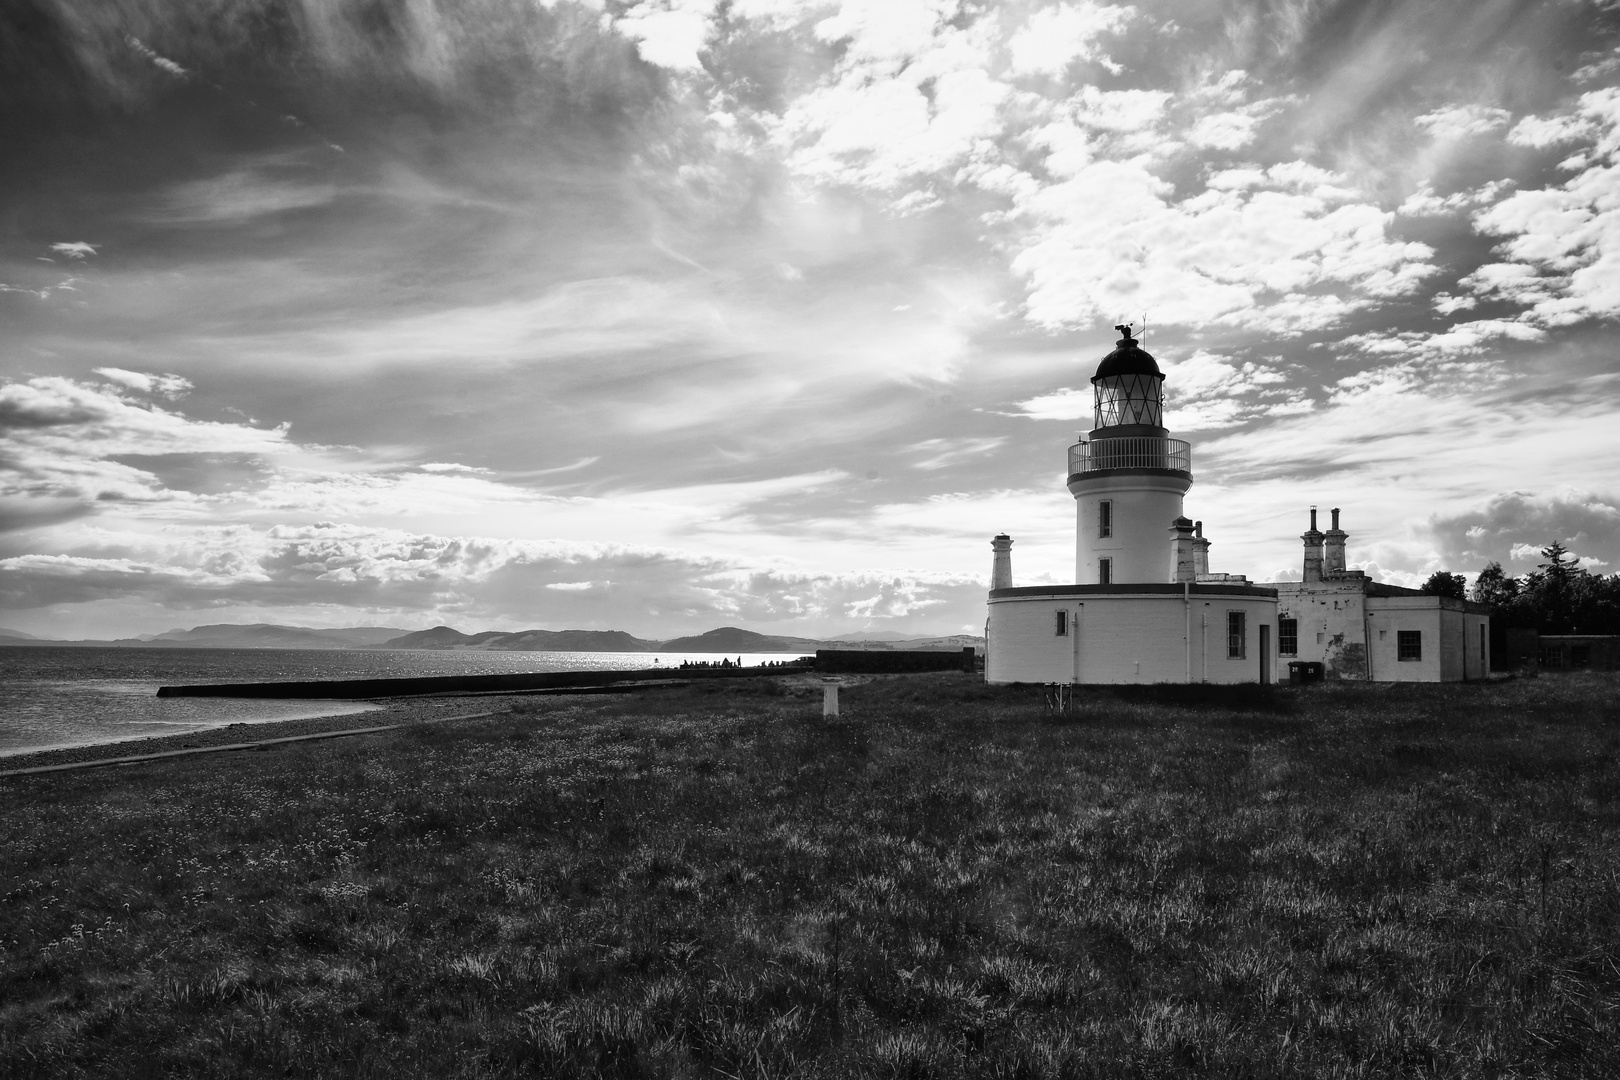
(1128,477)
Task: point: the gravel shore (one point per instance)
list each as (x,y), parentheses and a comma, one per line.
(391,711)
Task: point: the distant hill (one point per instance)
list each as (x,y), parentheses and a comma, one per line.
(444,637)
(726,639)
(732,639)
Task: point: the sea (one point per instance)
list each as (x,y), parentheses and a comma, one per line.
(59,696)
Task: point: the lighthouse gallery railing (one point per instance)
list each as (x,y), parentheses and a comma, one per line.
(1137,452)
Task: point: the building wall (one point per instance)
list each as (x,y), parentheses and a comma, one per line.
(1332,628)
(1126,638)
(1450,641)
(1144,506)
(1386,617)
(1599,652)
(1335,618)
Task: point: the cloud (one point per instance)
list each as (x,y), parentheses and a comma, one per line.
(1513,526)
(481,581)
(162,62)
(61,443)
(669,33)
(237,197)
(1568,234)
(1463,121)
(1055,37)
(168,386)
(76,249)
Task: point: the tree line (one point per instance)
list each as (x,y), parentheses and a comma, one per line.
(1558,597)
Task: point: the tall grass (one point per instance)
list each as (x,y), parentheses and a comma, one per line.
(950,881)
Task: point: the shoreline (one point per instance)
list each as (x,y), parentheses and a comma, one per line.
(390,712)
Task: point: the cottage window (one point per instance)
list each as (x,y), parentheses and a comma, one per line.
(1409,645)
(1105,518)
(1105,571)
(1237,636)
(1287,637)
(1061,627)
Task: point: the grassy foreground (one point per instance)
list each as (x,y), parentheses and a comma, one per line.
(1343,881)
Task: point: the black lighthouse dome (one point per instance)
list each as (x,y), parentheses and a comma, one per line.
(1128,358)
(1128,391)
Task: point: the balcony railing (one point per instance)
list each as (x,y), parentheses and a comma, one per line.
(1137,452)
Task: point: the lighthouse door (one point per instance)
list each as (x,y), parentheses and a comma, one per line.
(1265,654)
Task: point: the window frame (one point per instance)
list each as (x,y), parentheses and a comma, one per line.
(1237,635)
(1409,646)
(1060,623)
(1287,636)
(1105,571)
(1105,519)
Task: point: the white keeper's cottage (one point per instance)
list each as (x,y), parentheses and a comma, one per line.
(1146,608)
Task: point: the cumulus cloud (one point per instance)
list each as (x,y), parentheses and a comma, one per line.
(1569,234)
(669,33)
(1056,37)
(1513,526)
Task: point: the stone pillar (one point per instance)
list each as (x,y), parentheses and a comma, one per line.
(1313,550)
(1333,547)
(1183,552)
(1200,549)
(1001,566)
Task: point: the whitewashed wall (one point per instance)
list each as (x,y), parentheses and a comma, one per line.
(1144,507)
(1126,638)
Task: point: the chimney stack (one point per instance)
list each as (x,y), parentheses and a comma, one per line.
(1313,550)
(1001,566)
(1183,552)
(1200,550)
(1333,547)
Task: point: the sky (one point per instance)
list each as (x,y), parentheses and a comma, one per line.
(676,314)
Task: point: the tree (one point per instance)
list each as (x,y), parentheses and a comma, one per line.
(1555,568)
(1441,583)
(1494,587)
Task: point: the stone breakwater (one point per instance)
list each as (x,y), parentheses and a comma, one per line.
(341,689)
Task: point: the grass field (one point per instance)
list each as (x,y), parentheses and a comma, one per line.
(1335,881)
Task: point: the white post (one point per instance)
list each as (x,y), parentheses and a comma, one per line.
(829,698)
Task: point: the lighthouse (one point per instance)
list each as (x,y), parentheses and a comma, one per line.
(1144,607)
(1127,476)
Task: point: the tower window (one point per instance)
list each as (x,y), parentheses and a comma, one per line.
(1061,628)
(1287,637)
(1105,518)
(1409,645)
(1105,571)
(1237,635)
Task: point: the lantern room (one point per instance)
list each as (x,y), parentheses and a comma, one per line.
(1129,389)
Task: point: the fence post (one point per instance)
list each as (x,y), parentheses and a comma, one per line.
(829,698)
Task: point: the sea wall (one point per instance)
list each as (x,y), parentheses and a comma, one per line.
(454,684)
